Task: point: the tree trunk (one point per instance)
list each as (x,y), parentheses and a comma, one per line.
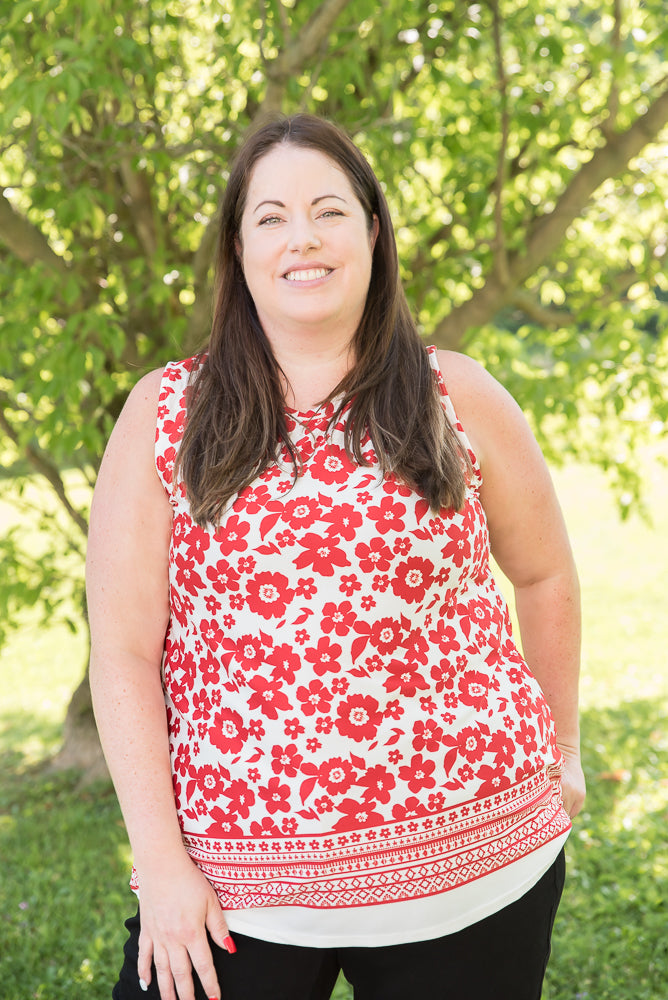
(81,750)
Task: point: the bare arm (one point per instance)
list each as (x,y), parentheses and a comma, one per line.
(529,541)
(127,586)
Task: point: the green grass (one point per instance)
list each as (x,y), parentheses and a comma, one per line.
(63,889)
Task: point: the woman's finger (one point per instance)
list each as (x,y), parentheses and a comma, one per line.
(144,960)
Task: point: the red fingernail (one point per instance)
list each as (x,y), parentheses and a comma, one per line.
(229,945)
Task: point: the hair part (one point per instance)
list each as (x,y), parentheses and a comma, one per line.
(236,420)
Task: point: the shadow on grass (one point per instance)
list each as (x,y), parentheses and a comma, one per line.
(65,896)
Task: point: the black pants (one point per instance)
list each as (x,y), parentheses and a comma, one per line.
(503,957)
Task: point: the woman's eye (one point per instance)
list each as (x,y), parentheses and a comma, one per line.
(269,220)
(330,213)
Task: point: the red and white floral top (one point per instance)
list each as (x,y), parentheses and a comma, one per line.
(350,721)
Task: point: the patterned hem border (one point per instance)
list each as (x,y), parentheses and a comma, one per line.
(387,863)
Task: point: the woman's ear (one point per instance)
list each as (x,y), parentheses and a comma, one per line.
(238,249)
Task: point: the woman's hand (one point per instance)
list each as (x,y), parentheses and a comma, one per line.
(572,780)
(177,908)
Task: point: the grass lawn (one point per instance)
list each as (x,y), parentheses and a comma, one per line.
(65,859)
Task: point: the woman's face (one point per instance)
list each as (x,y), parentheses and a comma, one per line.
(305,245)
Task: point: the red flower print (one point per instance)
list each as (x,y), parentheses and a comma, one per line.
(182,760)
(523,703)
(186,574)
(267,828)
(378,782)
(230,535)
(526,737)
(268,594)
(249,652)
(349,584)
(285,538)
(314,698)
(323,724)
(357,815)
(412,578)
(285,661)
(228,732)
(324,657)
(289,826)
(275,795)
(201,705)
(212,633)
(388,516)
(445,636)
(459,547)
(386,635)
(416,646)
(174,428)
(321,554)
(223,576)
(324,805)
(246,564)
(411,809)
(475,614)
(301,513)
(336,775)
(209,781)
(292,728)
(241,797)
(331,465)
(286,760)
(338,618)
(359,717)
(197,541)
(209,669)
(252,499)
(503,748)
(374,557)
(340,685)
(418,774)
(404,677)
(428,736)
(402,546)
(492,780)
(343,520)
(165,464)
(470,742)
(306,587)
(267,696)
(473,687)
(224,824)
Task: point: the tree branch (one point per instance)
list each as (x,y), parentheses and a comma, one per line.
(298,52)
(26,241)
(43,465)
(500,254)
(545,235)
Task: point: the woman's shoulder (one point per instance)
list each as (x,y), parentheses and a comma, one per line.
(490,416)
(472,388)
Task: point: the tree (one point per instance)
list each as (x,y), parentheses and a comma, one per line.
(521,146)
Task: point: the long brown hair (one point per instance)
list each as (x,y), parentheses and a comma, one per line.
(236,418)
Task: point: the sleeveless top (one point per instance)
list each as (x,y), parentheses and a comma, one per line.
(350,721)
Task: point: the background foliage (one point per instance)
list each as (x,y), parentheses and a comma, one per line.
(522,146)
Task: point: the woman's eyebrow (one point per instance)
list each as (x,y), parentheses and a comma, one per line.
(280,204)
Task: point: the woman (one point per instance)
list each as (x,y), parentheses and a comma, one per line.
(327,749)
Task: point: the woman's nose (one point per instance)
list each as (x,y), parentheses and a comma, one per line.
(303,236)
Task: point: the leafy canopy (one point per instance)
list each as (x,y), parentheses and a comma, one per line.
(522,146)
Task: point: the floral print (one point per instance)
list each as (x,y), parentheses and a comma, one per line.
(349,718)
